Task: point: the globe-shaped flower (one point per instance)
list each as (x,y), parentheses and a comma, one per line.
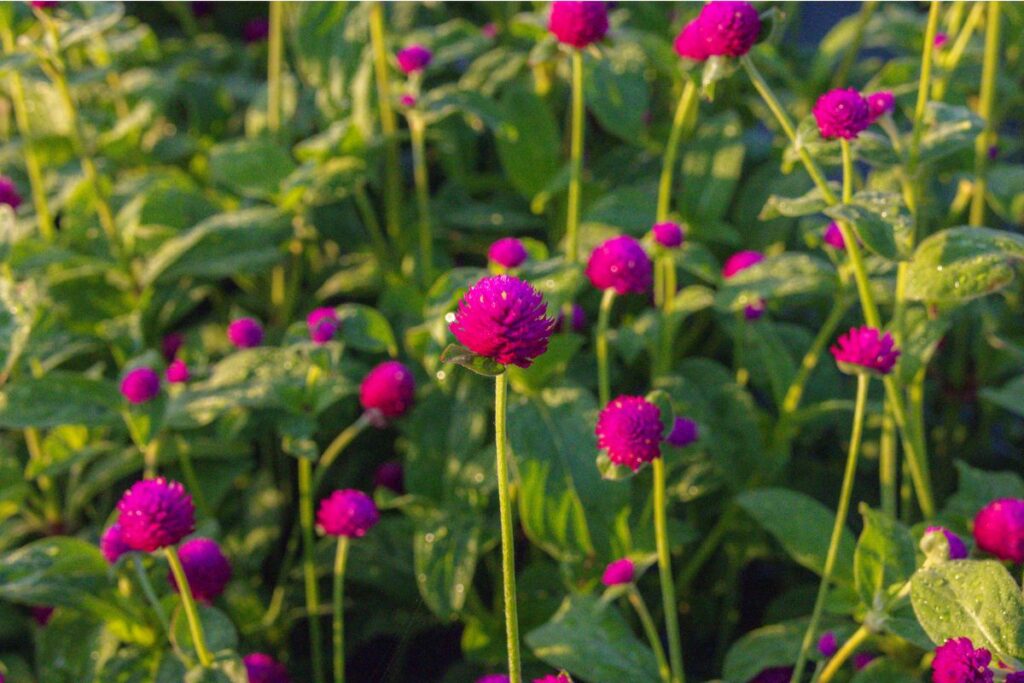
(206,569)
(957,549)
(618,572)
(503,318)
(940,40)
(690,43)
(256,30)
(9,193)
(957,661)
(620,263)
(880,104)
(668,234)
(140,385)
(578,323)
(842,114)
(263,668)
(629,430)
(245,333)
(390,475)
(684,432)
(407,100)
(827,644)
(578,23)
(729,29)
(414,58)
(507,252)
(865,349)
(389,390)
(755,310)
(999,529)
(348,513)
(833,236)
(112,543)
(740,261)
(155,513)
(177,372)
(775,674)
(322,324)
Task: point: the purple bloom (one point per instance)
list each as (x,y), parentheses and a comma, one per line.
(578,322)
(862,659)
(833,236)
(489,678)
(201,8)
(754,311)
(9,193)
(879,104)
(177,372)
(507,252)
(629,430)
(827,644)
(1016,677)
(263,668)
(684,432)
(842,114)
(865,349)
(41,614)
(489,30)
(740,261)
(620,263)
(667,234)
(957,549)
(112,543)
(44,4)
(940,40)
(389,389)
(245,333)
(956,661)
(322,324)
(999,529)
(503,318)
(578,23)
(171,344)
(155,513)
(140,385)
(618,572)
(414,58)
(408,101)
(256,30)
(728,29)
(993,153)
(347,513)
(775,674)
(206,569)
(391,476)
(690,43)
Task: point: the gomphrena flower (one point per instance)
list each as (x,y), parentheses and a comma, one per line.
(740,261)
(390,475)
(827,644)
(957,661)
(256,30)
(833,236)
(177,372)
(578,23)
(618,572)
(503,318)
(407,100)
(865,349)
(862,659)
(206,569)
(999,529)
(414,58)
(9,193)
(245,333)
(578,323)
(347,512)
(880,104)
(44,4)
(140,385)
(690,44)
(112,543)
(155,513)
(263,668)
(684,432)
(489,30)
(1015,677)
(323,324)
(728,29)
(940,40)
(389,389)
(667,234)
(620,263)
(489,678)
(775,674)
(957,549)
(629,430)
(507,252)
(842,113)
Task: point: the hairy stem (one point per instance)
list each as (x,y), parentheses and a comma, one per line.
(309,566)
(687,101)
(275,52)
(843,654)
(417,132)
(508,561)
(338,621)
(668,590)
(650,630)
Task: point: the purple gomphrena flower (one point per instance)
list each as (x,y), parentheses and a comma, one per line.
(256,30)
(842,113)
(689,44)
(684,432)
(177,372)
(112,543)
(390,475)
(629,430)
(578,322)
(263,668)
(245,333)
(155,513)
(489,678)
(414,58)
(322,324)
(171,344)
(728,29)
(740,261)
(862,659)
(206,569)
(956,661)
(507,252)
(775,674)
(833,236)
(999,529)
(618,572)
(140,385)
(1015,677)
(9,193)
(940,40)
(880,104)
(42,614)
(827,644)
(620,263)
(489,30)
(503,318)
(865,349)
(957,549)
(348,513)
(667,234)
(388,390)
(755,310)
(408,101)
(44,4)
(578,23)
(993,153)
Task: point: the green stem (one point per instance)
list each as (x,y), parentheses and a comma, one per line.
(637,601)
(572,238)
(338,611)
(706,549)
(309,566)
(508,562)
(417,132)
(687,101)
(887,463)
(952,59)
(189,472)
(986,100)
(151,459)
(147,590)
(924,86)
(837,528)
(871,316)
(601,347)
(867,10)
(844,653)
(389,128)
(795,392)
(44,482)
(275,52)
(372,225)
(668,590)
(336,447)
(188,603)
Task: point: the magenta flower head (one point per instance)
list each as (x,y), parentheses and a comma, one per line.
(740,261)
(414,58)
(620,263)
(729,29)
(1015,677)
(999,529)
(408,101)
(578,322)
(629,430)
(578,23)
(880,104)
(112,543)
(957,549)
(833,236)
(755,310)
(507,252)
(667,234)
(956,661)
(206,569)
(842,114)
(827,644)
(348,513)
(322,324)
(245,333)
(503,318)
(862,659)
(690,44)
(156,513)
(263,668)
(177,372)
(489,678)
(618,572)
(684,432)
(140,385)
(389,389)
(489,30)
(9,193)
(256,30)
(390,475)
(940,40)
(775,674)
(865,349)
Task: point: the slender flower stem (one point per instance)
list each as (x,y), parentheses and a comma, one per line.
(151,459)
(668,589)
(952,59)
(372,225)
(650,630)
(417,133)
(601,347)
(508,561)
(275,53)
(795,392)
(389,128)
(188,603)
(844,653)
(147,590)
(924,86)
(189,472)
(986,100)
(572,237)
(336,447)
(867,10)
(837,529)
(887,463)
(309,566)
(338,609)
(871,315)
(687,100)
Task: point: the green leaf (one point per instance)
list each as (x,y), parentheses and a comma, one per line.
(948,129)
(460,355)
(251,167)
(788,274)
(218,632)
(548,368)
(769,646)
(877,233)
(775,356)
(711,167)
(19,302)
(977,488)
(794,207)
(617,92)
(963,263)
(528,142)
(885,670)
(364,328)
(1010,396)
(59,571)
(446,547)
(885,557)
(58,398)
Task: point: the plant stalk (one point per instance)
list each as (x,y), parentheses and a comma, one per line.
(601,347)
(417,133)
(508,562)
(687,100)
(650,630)
(336,447)
(985,110)
(340,559)
(275,53)
(188,603)
(843,654)
(572,238)
(668,590)
(388,125)
(309,566)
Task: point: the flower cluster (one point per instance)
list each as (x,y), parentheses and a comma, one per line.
(389,390)
(348,513)
(845,113)
(668,235)
(629,431)
(618,572)
(999,529)
(957,549)
(414,58)
(245,333)
(323,324)
(865,349)
(9,193)
(155,513)
(737,263)
(620,263)
(723,28)
(507,252)
(578,23)
(262,668)
(957,661)
(140,385)
(684,432)
(206,569)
